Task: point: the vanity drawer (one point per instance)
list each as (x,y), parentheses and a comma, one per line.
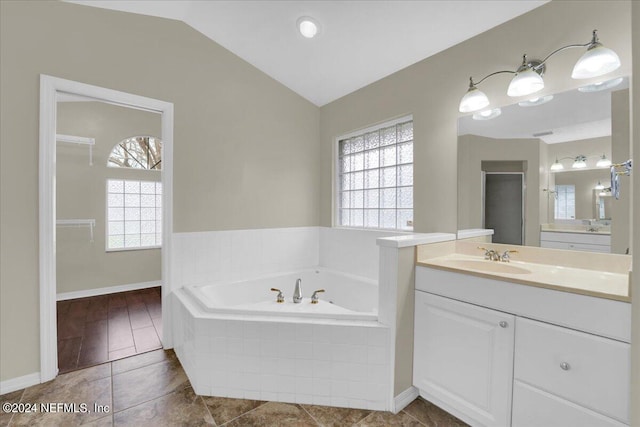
(533,407)
(585,238)
(586,369)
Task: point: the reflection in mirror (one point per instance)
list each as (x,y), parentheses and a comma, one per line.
(561,146)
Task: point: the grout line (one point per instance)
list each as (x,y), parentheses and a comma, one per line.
(419,422)
(370,412)
(206,408)
(309,413)
(245,413)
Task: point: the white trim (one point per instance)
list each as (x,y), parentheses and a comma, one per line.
(50,87)
(63,296)
(403,400)
(7,386)
(71,139)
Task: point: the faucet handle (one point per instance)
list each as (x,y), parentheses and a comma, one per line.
(314,297)
(488,253)
(505,256)
(280,297)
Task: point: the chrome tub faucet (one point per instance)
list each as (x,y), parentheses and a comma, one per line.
(297,292)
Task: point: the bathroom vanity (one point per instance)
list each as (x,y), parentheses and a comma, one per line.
(537,343)
(578,238)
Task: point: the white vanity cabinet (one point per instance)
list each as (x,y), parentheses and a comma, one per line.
(590,242)
(552,364)
(463,356)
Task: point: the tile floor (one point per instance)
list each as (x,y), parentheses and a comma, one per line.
(104,328)
(151,389)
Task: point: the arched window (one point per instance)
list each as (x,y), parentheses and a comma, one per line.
(138,152)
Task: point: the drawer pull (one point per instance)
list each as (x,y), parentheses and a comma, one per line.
(565,366)
(503,324)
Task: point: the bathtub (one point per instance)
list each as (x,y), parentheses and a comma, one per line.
(346,297)
(234,340)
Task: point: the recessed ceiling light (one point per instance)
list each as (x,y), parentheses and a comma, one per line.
(308,27)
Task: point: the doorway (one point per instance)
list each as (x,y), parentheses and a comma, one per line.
(51,90)
(504,206)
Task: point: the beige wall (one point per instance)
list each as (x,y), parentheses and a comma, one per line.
(246,147)
(80,193)
(472,150)
(584,181)
(635,227)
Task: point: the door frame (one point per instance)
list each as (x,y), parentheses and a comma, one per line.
(49,88)
(524,197)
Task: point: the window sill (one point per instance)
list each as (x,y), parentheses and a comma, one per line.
(140,248)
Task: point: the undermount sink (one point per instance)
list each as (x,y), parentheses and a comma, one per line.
(488,266)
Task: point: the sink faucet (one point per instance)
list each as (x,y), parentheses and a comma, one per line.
(297,292)
(314,297)
(505,256)
(490,254)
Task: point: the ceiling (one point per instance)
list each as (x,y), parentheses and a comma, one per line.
(359,41)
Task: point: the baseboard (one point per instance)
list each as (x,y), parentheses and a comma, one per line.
(62,296)
(19,383)
(402,400)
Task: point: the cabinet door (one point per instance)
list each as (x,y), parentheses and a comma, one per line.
(463,358)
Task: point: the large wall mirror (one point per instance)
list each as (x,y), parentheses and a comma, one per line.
(538,172)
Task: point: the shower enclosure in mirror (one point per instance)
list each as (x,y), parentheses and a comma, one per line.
(538,173)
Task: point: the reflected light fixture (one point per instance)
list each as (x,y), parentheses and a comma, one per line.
(308,27)
(596,61)
(580,162)
(599,186)
(604,85)
(603,162)
(487,114)
(557,166)
(536,101)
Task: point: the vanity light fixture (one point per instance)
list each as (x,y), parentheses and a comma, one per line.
(308,27)
(536,101)
(604,85)
(487,114)
(599,186)
(596,61)
(580,162)
(557,166)
(603,162)
(602,193)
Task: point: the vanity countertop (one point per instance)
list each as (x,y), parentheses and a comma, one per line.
(576,231)
(597,275)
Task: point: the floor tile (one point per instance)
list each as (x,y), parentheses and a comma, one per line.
(70,327)
(182,407)
(335,417)
(94,344)
(120,334)
(117,300)
(92,392)
(225,409)
(139,316)
(100,422)
(121,354)
(387,419)
(144,359)
(149,382)
(68,352)
(431,415)
(157,323)
(146,339)
(275,414)
(13,397)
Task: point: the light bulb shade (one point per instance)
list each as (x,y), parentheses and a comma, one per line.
(602,193)
(596,61)
(580,162)
(487,114)
(473,100)
(599,186)
(557,166)
(603,162)
(525,82)
(604,85)
(535,101)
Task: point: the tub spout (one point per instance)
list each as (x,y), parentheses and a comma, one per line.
(297,292)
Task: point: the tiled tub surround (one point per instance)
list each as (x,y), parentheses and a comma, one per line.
(285,359)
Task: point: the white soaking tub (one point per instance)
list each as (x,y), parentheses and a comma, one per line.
(346,297)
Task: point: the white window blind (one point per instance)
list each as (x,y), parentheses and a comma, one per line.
(375,178)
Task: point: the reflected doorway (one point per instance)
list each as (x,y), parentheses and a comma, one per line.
(504,206)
